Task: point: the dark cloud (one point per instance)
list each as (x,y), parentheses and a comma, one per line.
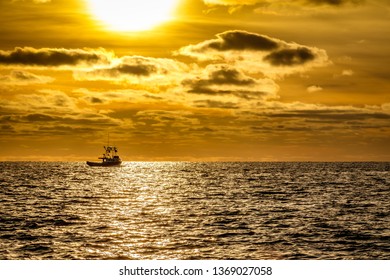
(7,127)
(232,2)
(290,57)
(234,40)
(95,100)
(38,118)
(201,129)
(138,70)
(215,104)
(132,68)
(66,130)
(333,115)
(52,57)
(126,69)
(255,53)
(229,76)
(76,120)
(241,40)
(6,118)
(333,2)
(208,90)
(219,76)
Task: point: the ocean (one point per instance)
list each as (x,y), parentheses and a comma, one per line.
(195,211)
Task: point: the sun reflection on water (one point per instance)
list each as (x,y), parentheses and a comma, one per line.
(194,211)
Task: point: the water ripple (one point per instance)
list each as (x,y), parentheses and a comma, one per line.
(182,210)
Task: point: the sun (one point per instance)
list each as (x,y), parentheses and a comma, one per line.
(132,15)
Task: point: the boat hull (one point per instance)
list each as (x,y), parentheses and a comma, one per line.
(103,164)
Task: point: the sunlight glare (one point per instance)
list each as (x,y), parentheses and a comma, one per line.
(130,15)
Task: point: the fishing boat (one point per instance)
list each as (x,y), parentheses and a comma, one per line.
(109,158)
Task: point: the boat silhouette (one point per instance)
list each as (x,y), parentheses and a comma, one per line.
(110,158)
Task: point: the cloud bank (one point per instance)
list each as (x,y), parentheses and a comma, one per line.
(52,57)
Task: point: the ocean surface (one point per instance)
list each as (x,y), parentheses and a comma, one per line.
(183,210)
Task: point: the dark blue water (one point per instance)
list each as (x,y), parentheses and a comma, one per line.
(180,210)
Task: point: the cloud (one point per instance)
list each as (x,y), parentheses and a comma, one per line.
(279,7)
(264,2)
(257,53)
(49,112)
(320,123)
(52,57)
(135,69)
(162,124)
(118,72)
(37,118)
(299,8)
(236,40)
(18,77)
(50,124)
(289,57)
(341,113)
(314,88)
(216,104)
(246,65)
(347,72)
(43,101)
(332,2)
(222,79)
(109,97)
(386,107)
(223,75)
(232,40)
(94,100)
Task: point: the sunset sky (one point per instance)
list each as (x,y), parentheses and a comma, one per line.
(251,80)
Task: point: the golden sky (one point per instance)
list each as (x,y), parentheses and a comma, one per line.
(251,80)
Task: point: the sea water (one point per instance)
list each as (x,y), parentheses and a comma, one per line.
(185,210)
